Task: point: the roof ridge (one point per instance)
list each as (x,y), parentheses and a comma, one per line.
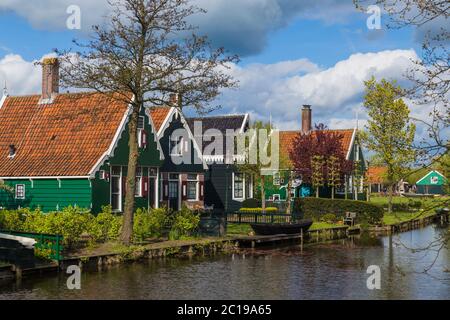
(219,116)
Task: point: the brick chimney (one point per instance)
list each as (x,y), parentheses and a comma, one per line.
(50,79)
(306,118)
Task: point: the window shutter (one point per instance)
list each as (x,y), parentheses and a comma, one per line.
(144,187)
(202,192)
(184,190)
(165,190)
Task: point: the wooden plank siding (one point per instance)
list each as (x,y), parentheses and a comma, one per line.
(50,194)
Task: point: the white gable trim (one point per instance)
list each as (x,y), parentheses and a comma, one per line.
(155,134)
(429,173)
(3,99)
(175,112)
(114,142)
(352,142)
(246,119)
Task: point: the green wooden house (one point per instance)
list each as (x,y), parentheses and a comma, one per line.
(58,150)
(182,174)
(433,182)
(276,182)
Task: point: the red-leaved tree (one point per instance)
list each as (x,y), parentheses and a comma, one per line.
(323,143)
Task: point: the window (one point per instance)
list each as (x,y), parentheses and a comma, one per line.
(20,191)
(238,186)
(116,189)
(249,186)
(276,179)
(141,132)
(192,187)
(176,146)
(434,180)
(174,176)
(138,189)
(276,197)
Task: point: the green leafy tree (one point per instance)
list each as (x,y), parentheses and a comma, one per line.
(334,174)
(5,187)
(317,177)
(389,131)
(256,147)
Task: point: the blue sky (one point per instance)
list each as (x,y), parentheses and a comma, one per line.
(293,52)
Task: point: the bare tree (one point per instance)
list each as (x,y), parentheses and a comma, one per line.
(147,51)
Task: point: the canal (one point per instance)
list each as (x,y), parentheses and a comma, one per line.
(335,270)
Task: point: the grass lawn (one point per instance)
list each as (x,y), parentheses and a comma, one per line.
(427,202)
(244,229)
(396,217)
(429,206)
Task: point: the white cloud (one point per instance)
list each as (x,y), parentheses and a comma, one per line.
(241,26)
(280,89)
(335,93)
(22,77)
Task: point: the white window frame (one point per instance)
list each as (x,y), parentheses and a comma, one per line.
(138,186)
(243,187)
(276,178)
(197,193)
(120,176)
(140,130)
(276,195)
(23,196)
(250,177)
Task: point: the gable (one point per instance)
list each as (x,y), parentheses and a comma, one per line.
(432,178)
(287,139)
(66,138)
(174,120)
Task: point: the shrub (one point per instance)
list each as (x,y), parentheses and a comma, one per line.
(316,208)
(185,223)
(71,223)
(105,226)
(12,220)
(149,223)
(258,210)
(329,217)
(251,203)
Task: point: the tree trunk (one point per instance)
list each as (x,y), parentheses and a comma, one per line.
(317,192)
(391,186)
(332,192)
(130,187)
(288,197)
(263,193)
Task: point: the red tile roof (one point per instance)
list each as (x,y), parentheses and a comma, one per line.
(287,139)
(65,138)
(159,114)
(376,174)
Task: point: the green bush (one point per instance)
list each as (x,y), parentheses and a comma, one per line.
(258,210)
(251,203)
(105,226)
(11,220)
(329,217)
(316,208)
(184,224)
(149,224)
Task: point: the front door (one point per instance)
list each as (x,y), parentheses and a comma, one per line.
(173,195)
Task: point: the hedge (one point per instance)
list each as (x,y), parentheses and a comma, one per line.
(251,203)
(316,208)
(258,210)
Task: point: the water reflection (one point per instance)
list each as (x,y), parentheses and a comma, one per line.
(335,270)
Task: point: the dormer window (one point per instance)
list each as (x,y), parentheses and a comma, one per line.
(12,151)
